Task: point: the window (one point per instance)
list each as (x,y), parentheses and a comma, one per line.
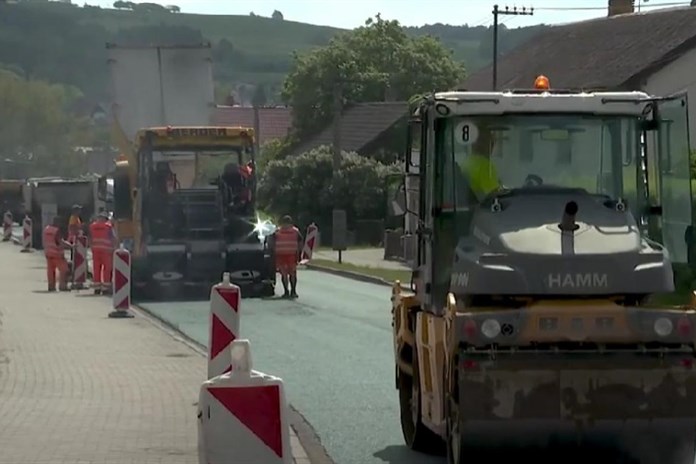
(596,153)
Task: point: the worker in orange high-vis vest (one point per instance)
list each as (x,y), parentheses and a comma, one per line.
(54,250)
(288,244)
(103,243)
(74,223)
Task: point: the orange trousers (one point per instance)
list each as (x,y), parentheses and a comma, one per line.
(102,263)
(286,264)
(57,264)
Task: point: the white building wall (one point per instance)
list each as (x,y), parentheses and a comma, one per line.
(678,76)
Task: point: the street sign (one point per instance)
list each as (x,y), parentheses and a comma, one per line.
(339,230)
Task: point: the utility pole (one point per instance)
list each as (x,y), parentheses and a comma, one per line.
(339,226)
(508,12)
(338,110)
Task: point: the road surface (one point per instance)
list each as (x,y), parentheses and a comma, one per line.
(333,348)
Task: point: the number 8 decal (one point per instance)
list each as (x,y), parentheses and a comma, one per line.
(466,132)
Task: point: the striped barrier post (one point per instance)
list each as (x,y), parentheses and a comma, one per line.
(310,243)
(79,274)
(243,415)
(223,325)
(27,239)
(121,281)
(7,221)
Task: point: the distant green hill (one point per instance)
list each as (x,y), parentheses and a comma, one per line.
(65,43)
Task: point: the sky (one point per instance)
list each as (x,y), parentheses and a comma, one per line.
(353,13)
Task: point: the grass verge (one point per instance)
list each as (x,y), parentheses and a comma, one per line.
(389,275)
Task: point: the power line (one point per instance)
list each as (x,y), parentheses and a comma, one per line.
(507,12)
(604,8)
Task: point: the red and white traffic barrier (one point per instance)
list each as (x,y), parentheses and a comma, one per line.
(121,281)
(26,235)
(7,221)
(310,243)
(223,325)
(243,415)
(79,274)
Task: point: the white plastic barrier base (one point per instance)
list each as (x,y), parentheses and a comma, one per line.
(243,416)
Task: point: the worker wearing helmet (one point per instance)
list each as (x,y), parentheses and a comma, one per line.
(54,246)
(478,168)
(103,243)
(74,223)
(288,244)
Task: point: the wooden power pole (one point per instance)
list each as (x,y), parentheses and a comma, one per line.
(507,11)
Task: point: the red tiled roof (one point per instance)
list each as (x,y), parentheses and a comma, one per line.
(274,122)
(605,53)
(361,123)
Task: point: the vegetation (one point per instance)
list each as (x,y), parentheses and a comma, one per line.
(38,134)
(389,275)
(303,186)
(66,43)
(369,64)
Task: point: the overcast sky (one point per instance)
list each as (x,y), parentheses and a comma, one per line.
(352,13)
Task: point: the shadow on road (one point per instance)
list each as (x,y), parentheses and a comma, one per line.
(400,454)
(550,455)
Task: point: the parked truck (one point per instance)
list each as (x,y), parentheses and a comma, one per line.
(47,197)
(11,198)
(533,317)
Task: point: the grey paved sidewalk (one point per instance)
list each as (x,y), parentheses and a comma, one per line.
(77,387)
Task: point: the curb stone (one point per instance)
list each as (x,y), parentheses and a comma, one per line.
(304,431)
(354,275)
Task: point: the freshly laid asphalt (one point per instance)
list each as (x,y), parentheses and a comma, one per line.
(333,349)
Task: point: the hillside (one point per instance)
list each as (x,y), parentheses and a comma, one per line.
(65,43)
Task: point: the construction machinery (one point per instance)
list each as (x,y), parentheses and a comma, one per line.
(534,315)
(47,197)
(11,198)
(183,228)
(183,235)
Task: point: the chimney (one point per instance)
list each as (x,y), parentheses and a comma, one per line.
(617,7)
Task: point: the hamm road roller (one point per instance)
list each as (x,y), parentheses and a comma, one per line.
(548,223)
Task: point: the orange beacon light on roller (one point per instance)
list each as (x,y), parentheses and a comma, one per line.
(541,83)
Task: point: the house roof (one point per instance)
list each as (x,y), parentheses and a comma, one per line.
(610,52)
(274,122)
(361,123)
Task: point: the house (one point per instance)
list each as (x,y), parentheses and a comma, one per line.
(274,122)
(93,110)
(362,127)
(653,51)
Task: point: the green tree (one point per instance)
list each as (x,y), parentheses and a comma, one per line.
(36,130)
(277,15)
(303,187)
(370,62)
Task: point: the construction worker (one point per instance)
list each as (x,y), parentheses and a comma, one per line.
(54,250)
(478,168)
(102,242)
(74,223)
(165,177)
(288,245)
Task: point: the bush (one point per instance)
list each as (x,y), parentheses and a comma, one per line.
(303,187)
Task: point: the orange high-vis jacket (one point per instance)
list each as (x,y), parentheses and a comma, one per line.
(102,236)
(51,238)
(74,227)
(287,241)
